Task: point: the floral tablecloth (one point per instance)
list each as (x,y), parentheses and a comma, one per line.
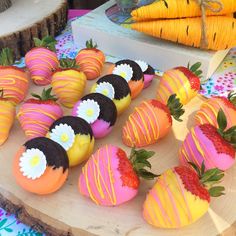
(223,81)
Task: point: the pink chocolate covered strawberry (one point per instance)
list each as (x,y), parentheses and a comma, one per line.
(113,177)
(205,143)
(13,80)
(37,114)
(91,60)
(42,60)
(181,196)
(182,81)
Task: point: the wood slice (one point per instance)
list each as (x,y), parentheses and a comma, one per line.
(4,5)
(66,212)
(27,19)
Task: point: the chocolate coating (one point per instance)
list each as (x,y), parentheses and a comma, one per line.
(137,71)
(149,71)
(119,84)
(55,154)
(79,125)
(108,110)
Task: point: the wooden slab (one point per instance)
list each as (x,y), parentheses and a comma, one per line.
(27,19)
(66,212)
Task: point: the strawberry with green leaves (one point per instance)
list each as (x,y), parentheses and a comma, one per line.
(68,82)
(14,81)
(91,60)
(37,114)
(42,60)
(205,143)
(182,81)
(110,178)
(207,114)
(181,195)
(151,121)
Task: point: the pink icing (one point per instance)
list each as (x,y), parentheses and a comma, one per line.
(35,119)
(100,127)
(211,158)
(120,194)
(41,62)
(148,80)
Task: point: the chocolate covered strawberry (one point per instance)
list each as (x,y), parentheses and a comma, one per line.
(13,80)
(110,178)
(68,82)
(7,117)
(37,114)
(181,196)
(42,60)
(205,143)
(182,81)
(208,111)
(91,60)
(150,121)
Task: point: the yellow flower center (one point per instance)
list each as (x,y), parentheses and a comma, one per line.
(123,74)
(34,161)
(89,112)
(64,137)
(105,92)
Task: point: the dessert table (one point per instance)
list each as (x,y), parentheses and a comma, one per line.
(220,83)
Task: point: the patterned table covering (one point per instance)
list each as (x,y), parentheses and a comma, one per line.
(223,81)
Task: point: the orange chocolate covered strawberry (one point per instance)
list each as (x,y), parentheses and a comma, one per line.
(91,60)
(41,166)
(14,81)
(150,121)
(208,111)
(7,117)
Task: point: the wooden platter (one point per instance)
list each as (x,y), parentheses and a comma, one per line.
(66,212)
(27,19)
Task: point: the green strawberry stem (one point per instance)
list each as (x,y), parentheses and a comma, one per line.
(47,42)
(195,68)
(46,95)
(230,134)
(139,160)
(210,178)
(175,107)
(232,97)
(6,57)
(67,63)
(90,44)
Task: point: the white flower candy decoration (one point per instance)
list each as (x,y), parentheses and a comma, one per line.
(106,89)
(33,163)
(143,65)
(64,135)
(124,71)
(88,110)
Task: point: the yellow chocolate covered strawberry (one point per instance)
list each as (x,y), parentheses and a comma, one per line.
(68,83)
